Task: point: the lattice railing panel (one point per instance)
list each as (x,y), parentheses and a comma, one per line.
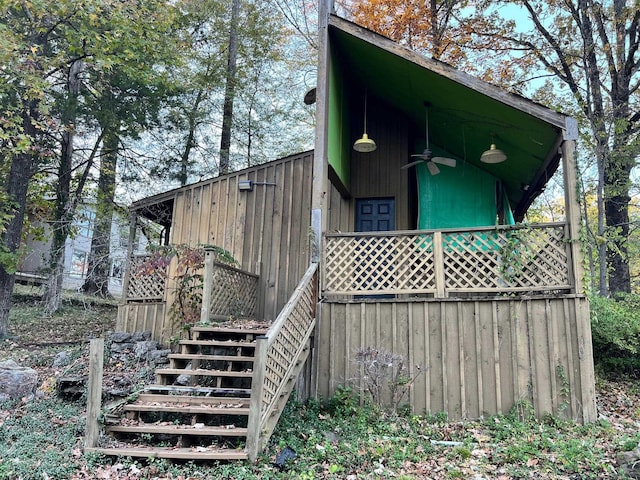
(522,259)
(287,338)
(480,260)
(146,282)
(380,264)
(234,293)
(280,355)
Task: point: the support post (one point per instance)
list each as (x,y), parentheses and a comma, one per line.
(255,405)
(207,285)
(94,395)
(438,264)
(572,213)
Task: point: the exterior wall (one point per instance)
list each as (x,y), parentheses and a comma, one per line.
(481,356)
(77,248)
(143,317)
(377,173)
(266,230)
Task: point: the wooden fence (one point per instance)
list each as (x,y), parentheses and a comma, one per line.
(442,263)
(280,356)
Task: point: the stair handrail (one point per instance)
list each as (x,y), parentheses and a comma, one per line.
(296,322)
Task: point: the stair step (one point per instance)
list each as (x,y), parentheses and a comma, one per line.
(218,343)
(212,358)
(242,331)
(191,400)
(221,409)
(179,430)
(187,390)
(202,372)
(195,453)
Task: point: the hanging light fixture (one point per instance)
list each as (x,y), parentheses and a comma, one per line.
(365,144)
(493,155)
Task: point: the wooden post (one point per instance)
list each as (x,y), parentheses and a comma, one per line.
(255,405)
(94,394)
(572,213)
(438,264)
(207,285)
(133,222)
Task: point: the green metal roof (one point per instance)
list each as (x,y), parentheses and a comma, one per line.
(465,115)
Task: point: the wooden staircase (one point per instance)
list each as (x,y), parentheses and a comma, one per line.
(199,407)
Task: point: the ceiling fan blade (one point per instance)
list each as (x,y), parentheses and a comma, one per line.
(433,168)
(412,164)
(449,162)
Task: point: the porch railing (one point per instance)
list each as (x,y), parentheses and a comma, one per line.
(227,291)
(146,281)
(531,258)
(280,356)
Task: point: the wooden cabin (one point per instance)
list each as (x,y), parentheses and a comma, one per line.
(430,261)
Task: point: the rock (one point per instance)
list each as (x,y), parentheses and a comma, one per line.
(62,358)
(120,337)
(630,462)
(121,347)
(142,349)
(141,336)
(16,381)
(159,356)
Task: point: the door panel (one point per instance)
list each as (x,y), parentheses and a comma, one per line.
(375,214)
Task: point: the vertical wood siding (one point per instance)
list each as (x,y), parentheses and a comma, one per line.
(481,356)
(266,230)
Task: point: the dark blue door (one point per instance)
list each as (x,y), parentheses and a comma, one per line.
(375,214)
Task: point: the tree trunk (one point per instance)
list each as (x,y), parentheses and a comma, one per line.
(97,282)
(16,188)
(64,211)
(229,91)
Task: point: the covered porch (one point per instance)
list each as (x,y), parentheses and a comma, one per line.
(423,240)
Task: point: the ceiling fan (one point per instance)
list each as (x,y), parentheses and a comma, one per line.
(425,156)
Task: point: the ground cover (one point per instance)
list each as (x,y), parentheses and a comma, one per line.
(339,439)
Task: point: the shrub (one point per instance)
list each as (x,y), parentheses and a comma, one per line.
(615,327)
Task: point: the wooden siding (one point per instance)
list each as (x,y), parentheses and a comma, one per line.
(481,356)
(377,173)
(266,230)
(143,317)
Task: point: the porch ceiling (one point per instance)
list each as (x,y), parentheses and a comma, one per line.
(465,115)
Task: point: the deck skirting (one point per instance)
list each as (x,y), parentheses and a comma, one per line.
(480,356)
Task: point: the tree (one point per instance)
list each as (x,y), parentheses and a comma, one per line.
(229,90)
(593,49)
(590,47)
(128,94)
(425,26)
(30,61)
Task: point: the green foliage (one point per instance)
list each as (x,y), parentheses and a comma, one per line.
(615,328)
(40,439)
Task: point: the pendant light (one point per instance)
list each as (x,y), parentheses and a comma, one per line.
(493,155)
(365,144)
